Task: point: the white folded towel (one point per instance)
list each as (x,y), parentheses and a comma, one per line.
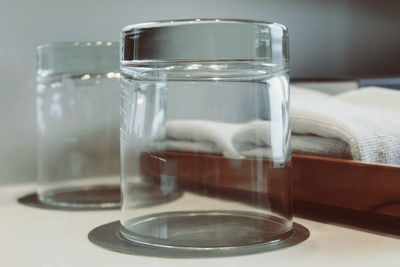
(249,140)
(361,124)
(368,120)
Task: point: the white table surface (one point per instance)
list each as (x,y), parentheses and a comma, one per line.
(51,238)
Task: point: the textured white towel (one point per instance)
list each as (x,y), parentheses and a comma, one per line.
(368,120)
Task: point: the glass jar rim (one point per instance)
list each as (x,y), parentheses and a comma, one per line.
(175,22)
(77,57)
(77,44)
(204,40)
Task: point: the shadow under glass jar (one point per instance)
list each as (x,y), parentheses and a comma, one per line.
(205,113)
(78,124)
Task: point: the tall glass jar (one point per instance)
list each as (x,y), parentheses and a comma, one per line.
(205,114)
(78,124)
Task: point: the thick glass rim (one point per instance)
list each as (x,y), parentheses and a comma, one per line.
(78,44)
(203,39)
(194,21)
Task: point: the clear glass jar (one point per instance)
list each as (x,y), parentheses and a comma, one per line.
(205,129)
(78,124)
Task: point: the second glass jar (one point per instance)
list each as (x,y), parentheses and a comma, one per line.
(78,119)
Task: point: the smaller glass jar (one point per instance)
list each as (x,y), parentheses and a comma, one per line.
(78,124)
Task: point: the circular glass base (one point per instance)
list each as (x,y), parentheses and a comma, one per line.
(109,236)
(205,229)
(91,197)
(98,198)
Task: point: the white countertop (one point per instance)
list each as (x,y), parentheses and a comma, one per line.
(51,238)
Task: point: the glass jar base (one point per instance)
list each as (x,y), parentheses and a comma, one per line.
(206,230)
(106,196)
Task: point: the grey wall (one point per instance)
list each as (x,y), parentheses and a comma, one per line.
(342,38)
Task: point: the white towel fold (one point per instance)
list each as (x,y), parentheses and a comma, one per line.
(254,139)
(199,136)
(252,135)
(316,145)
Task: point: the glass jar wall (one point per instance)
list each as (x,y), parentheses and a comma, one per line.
(205,136)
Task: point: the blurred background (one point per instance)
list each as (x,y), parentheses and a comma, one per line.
(328,39)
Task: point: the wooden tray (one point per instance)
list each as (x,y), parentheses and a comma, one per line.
(332,189)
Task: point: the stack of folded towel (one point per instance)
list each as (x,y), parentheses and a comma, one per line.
(362,125)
